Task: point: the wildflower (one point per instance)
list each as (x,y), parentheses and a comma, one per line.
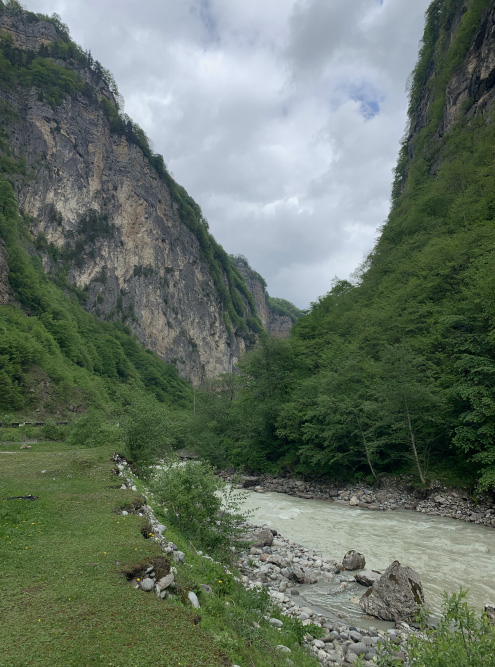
(219,581)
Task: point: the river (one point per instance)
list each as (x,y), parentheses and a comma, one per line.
(447,554)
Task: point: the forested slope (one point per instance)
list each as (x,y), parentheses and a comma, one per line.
(396,373)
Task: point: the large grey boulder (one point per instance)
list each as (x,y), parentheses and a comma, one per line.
(353,560)
(396,596)
(264,538)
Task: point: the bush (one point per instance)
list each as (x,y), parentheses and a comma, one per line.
(200,504)
(94,430)
(462,638)
(51,431)
(146,432)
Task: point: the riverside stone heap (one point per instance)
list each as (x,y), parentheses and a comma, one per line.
(282,566)
(394,493)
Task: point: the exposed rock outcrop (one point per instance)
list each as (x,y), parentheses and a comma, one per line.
(105,211)
(277,325)
(471,87)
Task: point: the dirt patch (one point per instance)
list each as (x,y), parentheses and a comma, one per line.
(134,507)
(160,566)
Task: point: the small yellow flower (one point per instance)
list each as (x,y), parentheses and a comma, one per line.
(39,619)
(138,579)
(219,581)
(26,547)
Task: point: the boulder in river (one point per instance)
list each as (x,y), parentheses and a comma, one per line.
(396,596)
(353,560)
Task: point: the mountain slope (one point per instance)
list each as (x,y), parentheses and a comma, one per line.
(396,373)
(104,210)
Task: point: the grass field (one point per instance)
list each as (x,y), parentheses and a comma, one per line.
(64,597)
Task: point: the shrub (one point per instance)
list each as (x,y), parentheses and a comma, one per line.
(200,504)
(94,430)
(462,638)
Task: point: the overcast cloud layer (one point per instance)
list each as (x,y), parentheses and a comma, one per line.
(282,118)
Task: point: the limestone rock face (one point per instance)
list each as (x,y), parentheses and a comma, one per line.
(396,596)
(472,86)
(94,195)
(277,325)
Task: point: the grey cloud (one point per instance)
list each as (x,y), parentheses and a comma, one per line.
(282,119)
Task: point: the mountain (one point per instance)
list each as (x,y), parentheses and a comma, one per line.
(105,215)
(277,315)
(396,372)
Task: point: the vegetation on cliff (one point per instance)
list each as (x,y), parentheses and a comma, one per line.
(55,357)
(395,372)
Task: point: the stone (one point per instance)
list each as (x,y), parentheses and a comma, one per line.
(206,588)
(297,574)
(354,501)
(264,538)
(367,577)
(179,556)
(161,528)
(490,612)
(275,622)
(193,599)
(358,648)
(353,560)
(396,596)
(283,649)
(147,584)
(165,582)
(276,560)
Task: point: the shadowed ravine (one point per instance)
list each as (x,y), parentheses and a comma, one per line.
(447,554)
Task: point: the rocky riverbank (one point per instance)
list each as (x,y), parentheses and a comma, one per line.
(283,567)
(393,493)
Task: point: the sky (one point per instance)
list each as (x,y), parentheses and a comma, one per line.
(281,118)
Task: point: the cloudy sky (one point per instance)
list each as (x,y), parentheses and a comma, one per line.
(282,118)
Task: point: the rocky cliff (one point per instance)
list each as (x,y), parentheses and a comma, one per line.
(455,75)
(104,215)
(276,324)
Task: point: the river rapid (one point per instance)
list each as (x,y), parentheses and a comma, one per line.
(447,554)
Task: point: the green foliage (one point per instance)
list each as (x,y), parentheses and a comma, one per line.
(284,307)
(94,429)
(200,504)
(394,373)
(461,638)
(145,432)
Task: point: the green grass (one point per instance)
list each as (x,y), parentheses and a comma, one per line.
(64,599)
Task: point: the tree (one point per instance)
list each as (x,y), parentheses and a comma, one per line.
(411,406)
